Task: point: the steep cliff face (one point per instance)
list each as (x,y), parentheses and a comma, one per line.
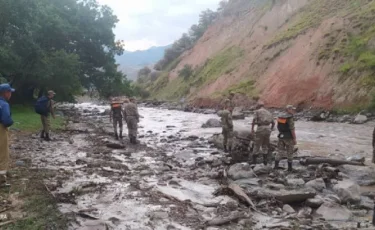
(304,52)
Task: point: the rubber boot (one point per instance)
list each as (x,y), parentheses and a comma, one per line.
(225,149)
(276,165)
(116,136)
(42,134)
(255,157)
(47,138)
(265,160)
(290,167)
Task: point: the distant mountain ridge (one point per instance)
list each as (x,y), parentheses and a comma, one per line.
(131,62)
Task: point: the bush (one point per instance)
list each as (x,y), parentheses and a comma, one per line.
(186,72)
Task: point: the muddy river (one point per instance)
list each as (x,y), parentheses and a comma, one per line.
(142,187)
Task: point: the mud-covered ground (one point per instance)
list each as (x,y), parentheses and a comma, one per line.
(175,179)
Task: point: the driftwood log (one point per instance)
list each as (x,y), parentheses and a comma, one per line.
(333,162)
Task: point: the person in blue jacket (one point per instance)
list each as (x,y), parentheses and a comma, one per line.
(5,121)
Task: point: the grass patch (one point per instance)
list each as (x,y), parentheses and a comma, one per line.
(39,207)
(25,119)
(245,87)
(345,68)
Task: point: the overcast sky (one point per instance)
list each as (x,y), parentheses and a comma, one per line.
(146,23)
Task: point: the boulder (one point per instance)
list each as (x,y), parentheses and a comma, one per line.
(288,209)
(237,114)
(366,203)
(334,212)
(262,169)
(240,171)
(212,123)
(295,182)
(363,175)
(242,135)
(317,184)
(332,198)
(304,212)
(320,116)
(360,119)
(315,202)
(348,191)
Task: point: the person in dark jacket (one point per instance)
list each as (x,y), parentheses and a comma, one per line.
(373,146)
(5,122)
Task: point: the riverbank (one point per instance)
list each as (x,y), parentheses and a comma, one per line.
(179,179)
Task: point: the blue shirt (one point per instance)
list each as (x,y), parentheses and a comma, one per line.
(5,116)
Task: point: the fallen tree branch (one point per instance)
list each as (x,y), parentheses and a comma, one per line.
(333,162)
(240,194)
(48,190)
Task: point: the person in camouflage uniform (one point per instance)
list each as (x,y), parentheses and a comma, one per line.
(373,146)
(228,103)
(131,116)
(265,124)
(116,117)
(287,137)
(227,129)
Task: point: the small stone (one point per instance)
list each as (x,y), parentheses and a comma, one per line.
(295,182)
(348,191)
(334,212)
(159,215)
(333,198)
(317,184)
(20,163)
(304,212)
(145,173)
(314,202)
(288,209)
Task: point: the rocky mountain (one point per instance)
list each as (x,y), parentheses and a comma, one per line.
(310,53)
(131,62)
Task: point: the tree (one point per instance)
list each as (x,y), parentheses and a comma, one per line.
(186,72)
(144,71)
(60,44)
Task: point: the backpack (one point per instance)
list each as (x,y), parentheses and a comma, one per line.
(41,106)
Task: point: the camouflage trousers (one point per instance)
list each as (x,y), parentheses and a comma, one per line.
(285,148)
(4,150)
(262,140)
(373,155)
(228,137)
(132,123)
(117,122)
(46,123)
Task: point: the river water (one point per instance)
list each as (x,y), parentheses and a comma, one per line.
(123,208)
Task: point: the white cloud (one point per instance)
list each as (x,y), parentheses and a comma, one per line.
(146,23)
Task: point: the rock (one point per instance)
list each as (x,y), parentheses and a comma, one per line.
(304,212)
(333,198)
(345,118)
(348,191)
(145,173)
(334,212)
(81,161)
(366,203)
(314,202)
(262,169)
(317,184)
(238,116)
(320,116)
(158,215)
(199,159)
(363,175)
(248,182)
(240,171)
(288,209)
(360,119)
(356,158)
(212,123)
(274,186)
(20,163)
(115,146)
(295,183)
(217,163)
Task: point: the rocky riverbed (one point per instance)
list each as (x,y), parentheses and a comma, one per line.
(178,178)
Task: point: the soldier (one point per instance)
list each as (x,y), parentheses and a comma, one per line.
(131,116)
(5,122)
(263,119)
(116,116)
(44,106)
(229,102)
(373,146)
(227,131)
(287,136)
